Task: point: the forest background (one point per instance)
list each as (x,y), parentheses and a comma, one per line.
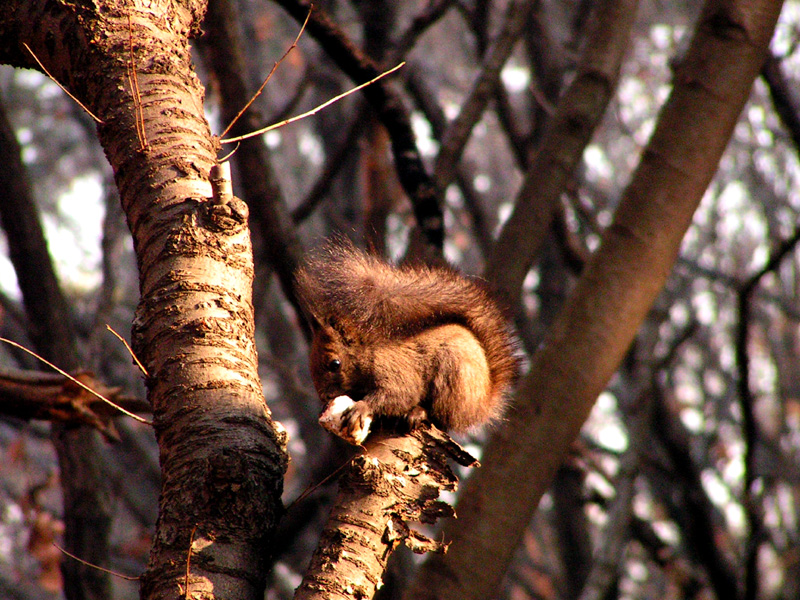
(624,173)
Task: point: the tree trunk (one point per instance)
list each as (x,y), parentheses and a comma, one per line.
(591,335)
(222,458)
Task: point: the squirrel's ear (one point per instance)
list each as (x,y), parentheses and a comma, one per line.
(313,321)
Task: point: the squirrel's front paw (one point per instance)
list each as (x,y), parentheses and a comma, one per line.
(347,419)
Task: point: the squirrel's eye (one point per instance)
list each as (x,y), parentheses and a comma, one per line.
(334,365)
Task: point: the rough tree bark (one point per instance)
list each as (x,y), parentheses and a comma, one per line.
(222,457)
(393,484)
(599,320)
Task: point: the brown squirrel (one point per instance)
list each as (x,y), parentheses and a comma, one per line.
(409,342)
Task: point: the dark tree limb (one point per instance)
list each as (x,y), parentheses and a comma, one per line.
(423,94)
(31,395)
(749,422)
(577,114)
(391,111)
(483,89)
(332,167)
(87,511)
(784,101)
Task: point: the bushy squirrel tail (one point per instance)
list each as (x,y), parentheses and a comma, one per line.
(368,300)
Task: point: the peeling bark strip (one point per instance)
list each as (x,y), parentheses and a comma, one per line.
(395,482)
(222,458)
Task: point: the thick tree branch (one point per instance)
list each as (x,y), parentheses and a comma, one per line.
(394,483)
(222,457)
(592,333)
(578,113)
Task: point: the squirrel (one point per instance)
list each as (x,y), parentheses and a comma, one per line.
(412,343)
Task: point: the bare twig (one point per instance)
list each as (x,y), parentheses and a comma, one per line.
(269,76)
(129,349)
(88,564)
(76,382)
(313,111)
(137,97)
(188,564)
(54,80)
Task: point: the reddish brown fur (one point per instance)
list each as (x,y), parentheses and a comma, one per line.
(411,341)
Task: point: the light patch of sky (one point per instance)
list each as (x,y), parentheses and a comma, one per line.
(24,135)
(679,314)
(734,213)
(632,99)
(34,80)
(720,494)
(637,571)
(727,357)
(784,498)
(717,491)
(397,240)
(604,217)
(424,134)
(705,307)
(691,418)
(515,78)
(8,277)
(785,37)
(764,374)
(667,531)
(600,484)
(482,183)
(75,247)
(597,161)
(661,36)
(714,382)
(29,154)
(273,139)
(733,471)
(8,534)
(604,425)
(451,110)
(596,515)
(310,147)
(453,197)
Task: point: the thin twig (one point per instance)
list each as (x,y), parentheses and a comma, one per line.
(314,486)
(54,80)
(188,564)
(76,382)
(129,349)
(271,73)
(137,97)
(88,564)
(313,111)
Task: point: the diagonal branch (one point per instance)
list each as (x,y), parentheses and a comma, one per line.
(577,114)
(591,335)
(391,111)
(482,90)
